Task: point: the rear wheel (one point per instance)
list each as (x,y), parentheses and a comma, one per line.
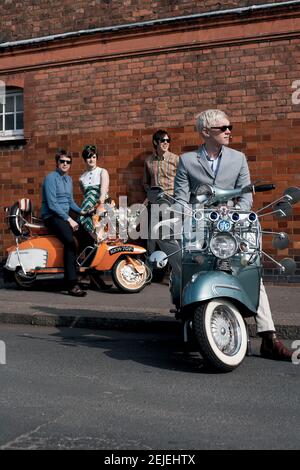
(221,333)
(25,281)
(127,278)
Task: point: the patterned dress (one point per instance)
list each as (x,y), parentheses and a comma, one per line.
(90,182)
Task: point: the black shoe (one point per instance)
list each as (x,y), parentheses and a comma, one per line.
(76,291)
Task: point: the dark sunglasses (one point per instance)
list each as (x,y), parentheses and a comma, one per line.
(61,160)
(224,128)
(165,140)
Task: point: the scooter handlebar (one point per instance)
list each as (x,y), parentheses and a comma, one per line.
(258,188)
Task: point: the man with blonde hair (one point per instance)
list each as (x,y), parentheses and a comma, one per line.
(215,163)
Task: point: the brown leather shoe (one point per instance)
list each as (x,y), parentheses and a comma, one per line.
(272,348)
(76,291)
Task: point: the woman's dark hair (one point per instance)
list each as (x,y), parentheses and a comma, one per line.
(62,153)
(88,151)
(157,136)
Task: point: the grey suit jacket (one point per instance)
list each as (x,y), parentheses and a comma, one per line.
(194,169)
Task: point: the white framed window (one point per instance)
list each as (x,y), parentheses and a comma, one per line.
(11,115)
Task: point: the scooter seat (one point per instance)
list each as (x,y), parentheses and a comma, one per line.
(22,221)
(34,224)
(38,228)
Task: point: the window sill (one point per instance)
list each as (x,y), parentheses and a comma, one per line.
(15,142)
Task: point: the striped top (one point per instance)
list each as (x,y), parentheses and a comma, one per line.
(161,171)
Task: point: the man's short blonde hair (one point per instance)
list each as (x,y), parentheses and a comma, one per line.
(209,118)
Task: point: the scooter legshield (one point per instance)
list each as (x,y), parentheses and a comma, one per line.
(107,255)
(210,285)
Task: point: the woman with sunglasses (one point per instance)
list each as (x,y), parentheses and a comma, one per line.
(94,183)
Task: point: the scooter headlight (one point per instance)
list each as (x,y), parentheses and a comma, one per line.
(223,245)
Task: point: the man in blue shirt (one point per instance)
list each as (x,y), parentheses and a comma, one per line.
(57,202)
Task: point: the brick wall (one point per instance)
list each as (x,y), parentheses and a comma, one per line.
(118,101)
(118,105)
(253,82)
(23,19)
(123,153)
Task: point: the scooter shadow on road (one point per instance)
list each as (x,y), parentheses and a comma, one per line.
(155,345)
(57,287)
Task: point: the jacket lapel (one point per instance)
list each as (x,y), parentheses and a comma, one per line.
(225,163)
(204,163)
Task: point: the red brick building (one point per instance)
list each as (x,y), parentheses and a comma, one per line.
(111,72)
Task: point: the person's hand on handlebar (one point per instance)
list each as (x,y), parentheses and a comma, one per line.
(88,211)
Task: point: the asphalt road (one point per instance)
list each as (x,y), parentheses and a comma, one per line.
(85,389)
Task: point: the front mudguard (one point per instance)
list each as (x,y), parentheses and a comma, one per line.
(211,285)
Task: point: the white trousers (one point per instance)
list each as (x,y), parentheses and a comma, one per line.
(264,320)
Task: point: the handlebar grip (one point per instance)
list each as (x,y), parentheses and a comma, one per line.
(264,187)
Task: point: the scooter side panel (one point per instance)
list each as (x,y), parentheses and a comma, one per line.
(29,259)
(209,285)
(53,247)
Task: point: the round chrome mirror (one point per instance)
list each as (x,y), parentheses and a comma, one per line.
(293,194)
(283,208)
(288,266)
(280,241)
(158,259)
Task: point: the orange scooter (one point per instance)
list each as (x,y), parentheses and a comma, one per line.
(38,255)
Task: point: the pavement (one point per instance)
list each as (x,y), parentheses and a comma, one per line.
(148,310)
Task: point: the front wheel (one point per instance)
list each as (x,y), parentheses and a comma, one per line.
(221,333)
(127,278)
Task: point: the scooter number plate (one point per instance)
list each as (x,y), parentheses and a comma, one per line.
(121,249)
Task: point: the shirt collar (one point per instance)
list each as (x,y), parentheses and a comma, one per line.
(156,157)
(61,174)
(204,153)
